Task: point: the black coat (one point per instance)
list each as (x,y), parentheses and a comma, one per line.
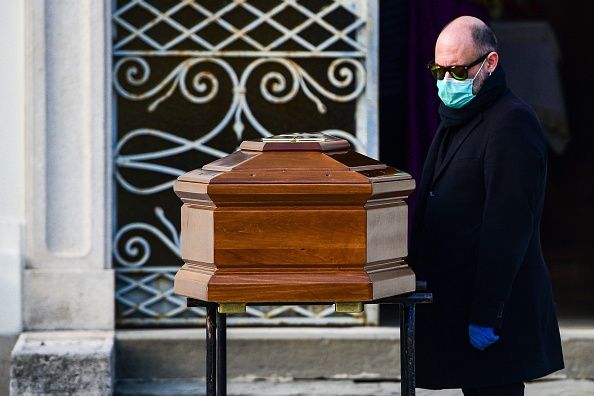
(476,241)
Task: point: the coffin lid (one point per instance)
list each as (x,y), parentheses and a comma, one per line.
(282,171)
(296,142)
(294,218)
(296,158)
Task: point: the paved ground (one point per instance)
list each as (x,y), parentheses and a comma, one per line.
(333,388)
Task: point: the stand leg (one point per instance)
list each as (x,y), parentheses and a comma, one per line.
(407,348)
(221,354)
(211,350)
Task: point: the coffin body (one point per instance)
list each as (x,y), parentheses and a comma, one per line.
(294,219)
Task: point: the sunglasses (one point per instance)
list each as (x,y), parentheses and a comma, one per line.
(458,72)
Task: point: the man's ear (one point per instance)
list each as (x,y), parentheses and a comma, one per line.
(492,61)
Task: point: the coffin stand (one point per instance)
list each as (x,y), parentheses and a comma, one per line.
(298,218)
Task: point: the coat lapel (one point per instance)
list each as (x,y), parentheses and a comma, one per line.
(427,176)
(429,166)
(465,132)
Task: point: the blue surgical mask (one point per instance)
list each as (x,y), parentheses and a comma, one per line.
(455,93)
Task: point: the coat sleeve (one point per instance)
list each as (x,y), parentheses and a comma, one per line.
(514,177)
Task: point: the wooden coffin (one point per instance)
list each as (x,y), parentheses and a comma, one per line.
(294,218)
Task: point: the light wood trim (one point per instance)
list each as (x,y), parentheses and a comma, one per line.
(387,231)
(231,161)
(391,281)
(298,146)
(197,228)
(192,193)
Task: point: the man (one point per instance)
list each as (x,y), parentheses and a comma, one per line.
(475,238)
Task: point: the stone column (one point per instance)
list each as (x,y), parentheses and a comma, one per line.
(12,177)
(68,285)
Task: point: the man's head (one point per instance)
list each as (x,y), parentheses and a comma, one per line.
(463,41)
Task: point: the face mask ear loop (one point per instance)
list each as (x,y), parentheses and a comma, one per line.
(480,68)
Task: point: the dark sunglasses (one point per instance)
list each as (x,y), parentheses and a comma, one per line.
(458,72)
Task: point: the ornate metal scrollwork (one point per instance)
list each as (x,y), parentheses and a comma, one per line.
(274,87)
(160,59)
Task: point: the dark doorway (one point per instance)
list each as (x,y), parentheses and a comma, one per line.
(568,220)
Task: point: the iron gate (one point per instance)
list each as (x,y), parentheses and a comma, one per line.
(192,79)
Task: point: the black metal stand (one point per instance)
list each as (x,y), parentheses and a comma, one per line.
(211,349)
(221,356)
(216,341)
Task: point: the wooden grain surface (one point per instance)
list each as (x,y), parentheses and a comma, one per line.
(231,161)
(292,287)
(287,226)
(274,176)
(308,161)
(245,285)
(289,235)
(234,195)
(356,161)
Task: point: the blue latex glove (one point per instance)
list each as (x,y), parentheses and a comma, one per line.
(481,337)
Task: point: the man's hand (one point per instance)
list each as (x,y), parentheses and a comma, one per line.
(481,337)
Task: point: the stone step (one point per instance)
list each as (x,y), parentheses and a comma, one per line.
(355,352)
(359,353)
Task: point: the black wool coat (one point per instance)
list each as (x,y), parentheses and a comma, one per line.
(476,241)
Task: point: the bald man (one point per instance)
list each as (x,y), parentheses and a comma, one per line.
(475,237)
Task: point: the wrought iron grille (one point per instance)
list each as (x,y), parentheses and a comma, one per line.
(192,79)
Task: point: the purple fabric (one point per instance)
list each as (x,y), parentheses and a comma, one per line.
(426,19)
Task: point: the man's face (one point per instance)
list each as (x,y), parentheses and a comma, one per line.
(457,48)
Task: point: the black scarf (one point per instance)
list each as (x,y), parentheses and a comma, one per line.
(493,87)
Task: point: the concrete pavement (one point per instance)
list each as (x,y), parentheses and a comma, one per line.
(289,387)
